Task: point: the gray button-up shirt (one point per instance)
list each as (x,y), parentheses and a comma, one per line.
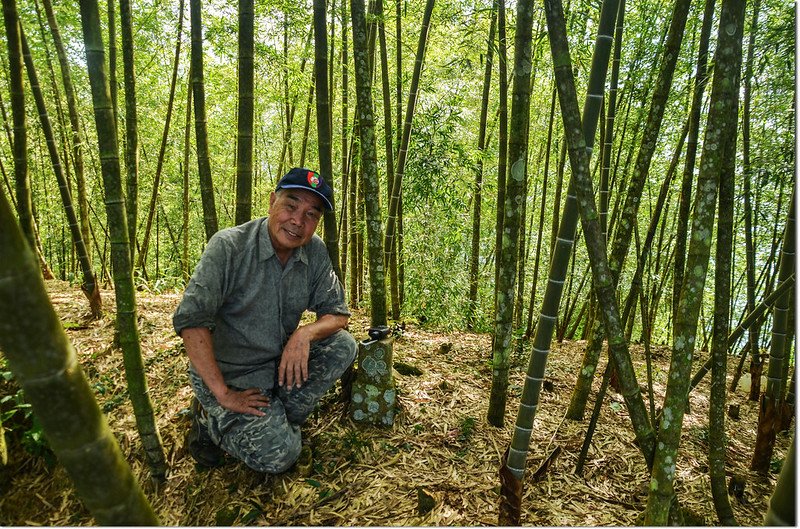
(251,303)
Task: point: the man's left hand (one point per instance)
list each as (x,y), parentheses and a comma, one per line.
(293,369)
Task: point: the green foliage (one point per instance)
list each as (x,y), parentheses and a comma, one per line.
(19,422)
(700,433)
(466,429)
(354,445)
(438,176)
(437,188)
(227,515)
(776,464)
(459,438)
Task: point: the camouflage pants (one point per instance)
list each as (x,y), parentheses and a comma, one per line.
(272,443)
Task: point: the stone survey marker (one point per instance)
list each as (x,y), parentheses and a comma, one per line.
(373,397)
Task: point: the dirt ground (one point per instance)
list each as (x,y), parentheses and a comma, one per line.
(440,446)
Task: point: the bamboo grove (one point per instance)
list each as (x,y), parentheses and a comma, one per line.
(610,171)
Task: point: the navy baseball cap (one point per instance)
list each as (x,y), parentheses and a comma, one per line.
(299,178)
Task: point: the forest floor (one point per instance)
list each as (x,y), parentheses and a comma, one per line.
(440,443)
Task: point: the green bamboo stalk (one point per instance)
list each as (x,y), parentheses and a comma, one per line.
(561,252)
(244,115)
(142,259)
(394,203)
(502,139)
(749,227)
(629,212)
(345,146)
(611,115)
(75,125)
(580,394)
(513,464)
(42,359)
(768,416)
(90,287)
(20,143)
(324,134)
(720,130)
(700,81)
(602,274)
(784,286)
(388,142)
(508,253)
(210,222)
(127,326)
(717,441)
(756,364)
(369,164)
(782,504)
(185,265)
(131,122)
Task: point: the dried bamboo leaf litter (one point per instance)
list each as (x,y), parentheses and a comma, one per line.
(364,476)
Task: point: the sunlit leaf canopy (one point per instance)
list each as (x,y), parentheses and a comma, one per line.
(438,182)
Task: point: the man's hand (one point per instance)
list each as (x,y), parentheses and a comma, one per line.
(293,369)
(247,401)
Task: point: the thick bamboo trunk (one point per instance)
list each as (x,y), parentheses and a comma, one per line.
(20,140)
(508,252)
(324,134)
(602,275)
(783,502)
(244,115)
(580,134)
(513,467)
(127,325)
(717,439)
(210,222)
(629,212)
(720,131)
(39,354)
(769,409)
(369,165)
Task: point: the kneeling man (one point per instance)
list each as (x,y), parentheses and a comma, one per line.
(255,372)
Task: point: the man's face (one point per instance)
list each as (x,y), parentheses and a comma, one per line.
(293,216)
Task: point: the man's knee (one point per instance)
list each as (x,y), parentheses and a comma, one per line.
(331,357)
(342,345)
(276,457)
(266,444)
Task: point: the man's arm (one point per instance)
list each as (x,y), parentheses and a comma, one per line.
(199,348)
(293,369)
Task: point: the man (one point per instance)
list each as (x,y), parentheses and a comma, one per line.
(255,373)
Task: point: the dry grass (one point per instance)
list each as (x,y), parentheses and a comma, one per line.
(440,444)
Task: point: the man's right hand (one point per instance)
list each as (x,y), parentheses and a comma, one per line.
(248,401)
(198,343)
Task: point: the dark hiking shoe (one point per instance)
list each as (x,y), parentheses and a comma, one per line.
(201,447)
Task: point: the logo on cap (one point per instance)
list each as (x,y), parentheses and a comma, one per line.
(313,179)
